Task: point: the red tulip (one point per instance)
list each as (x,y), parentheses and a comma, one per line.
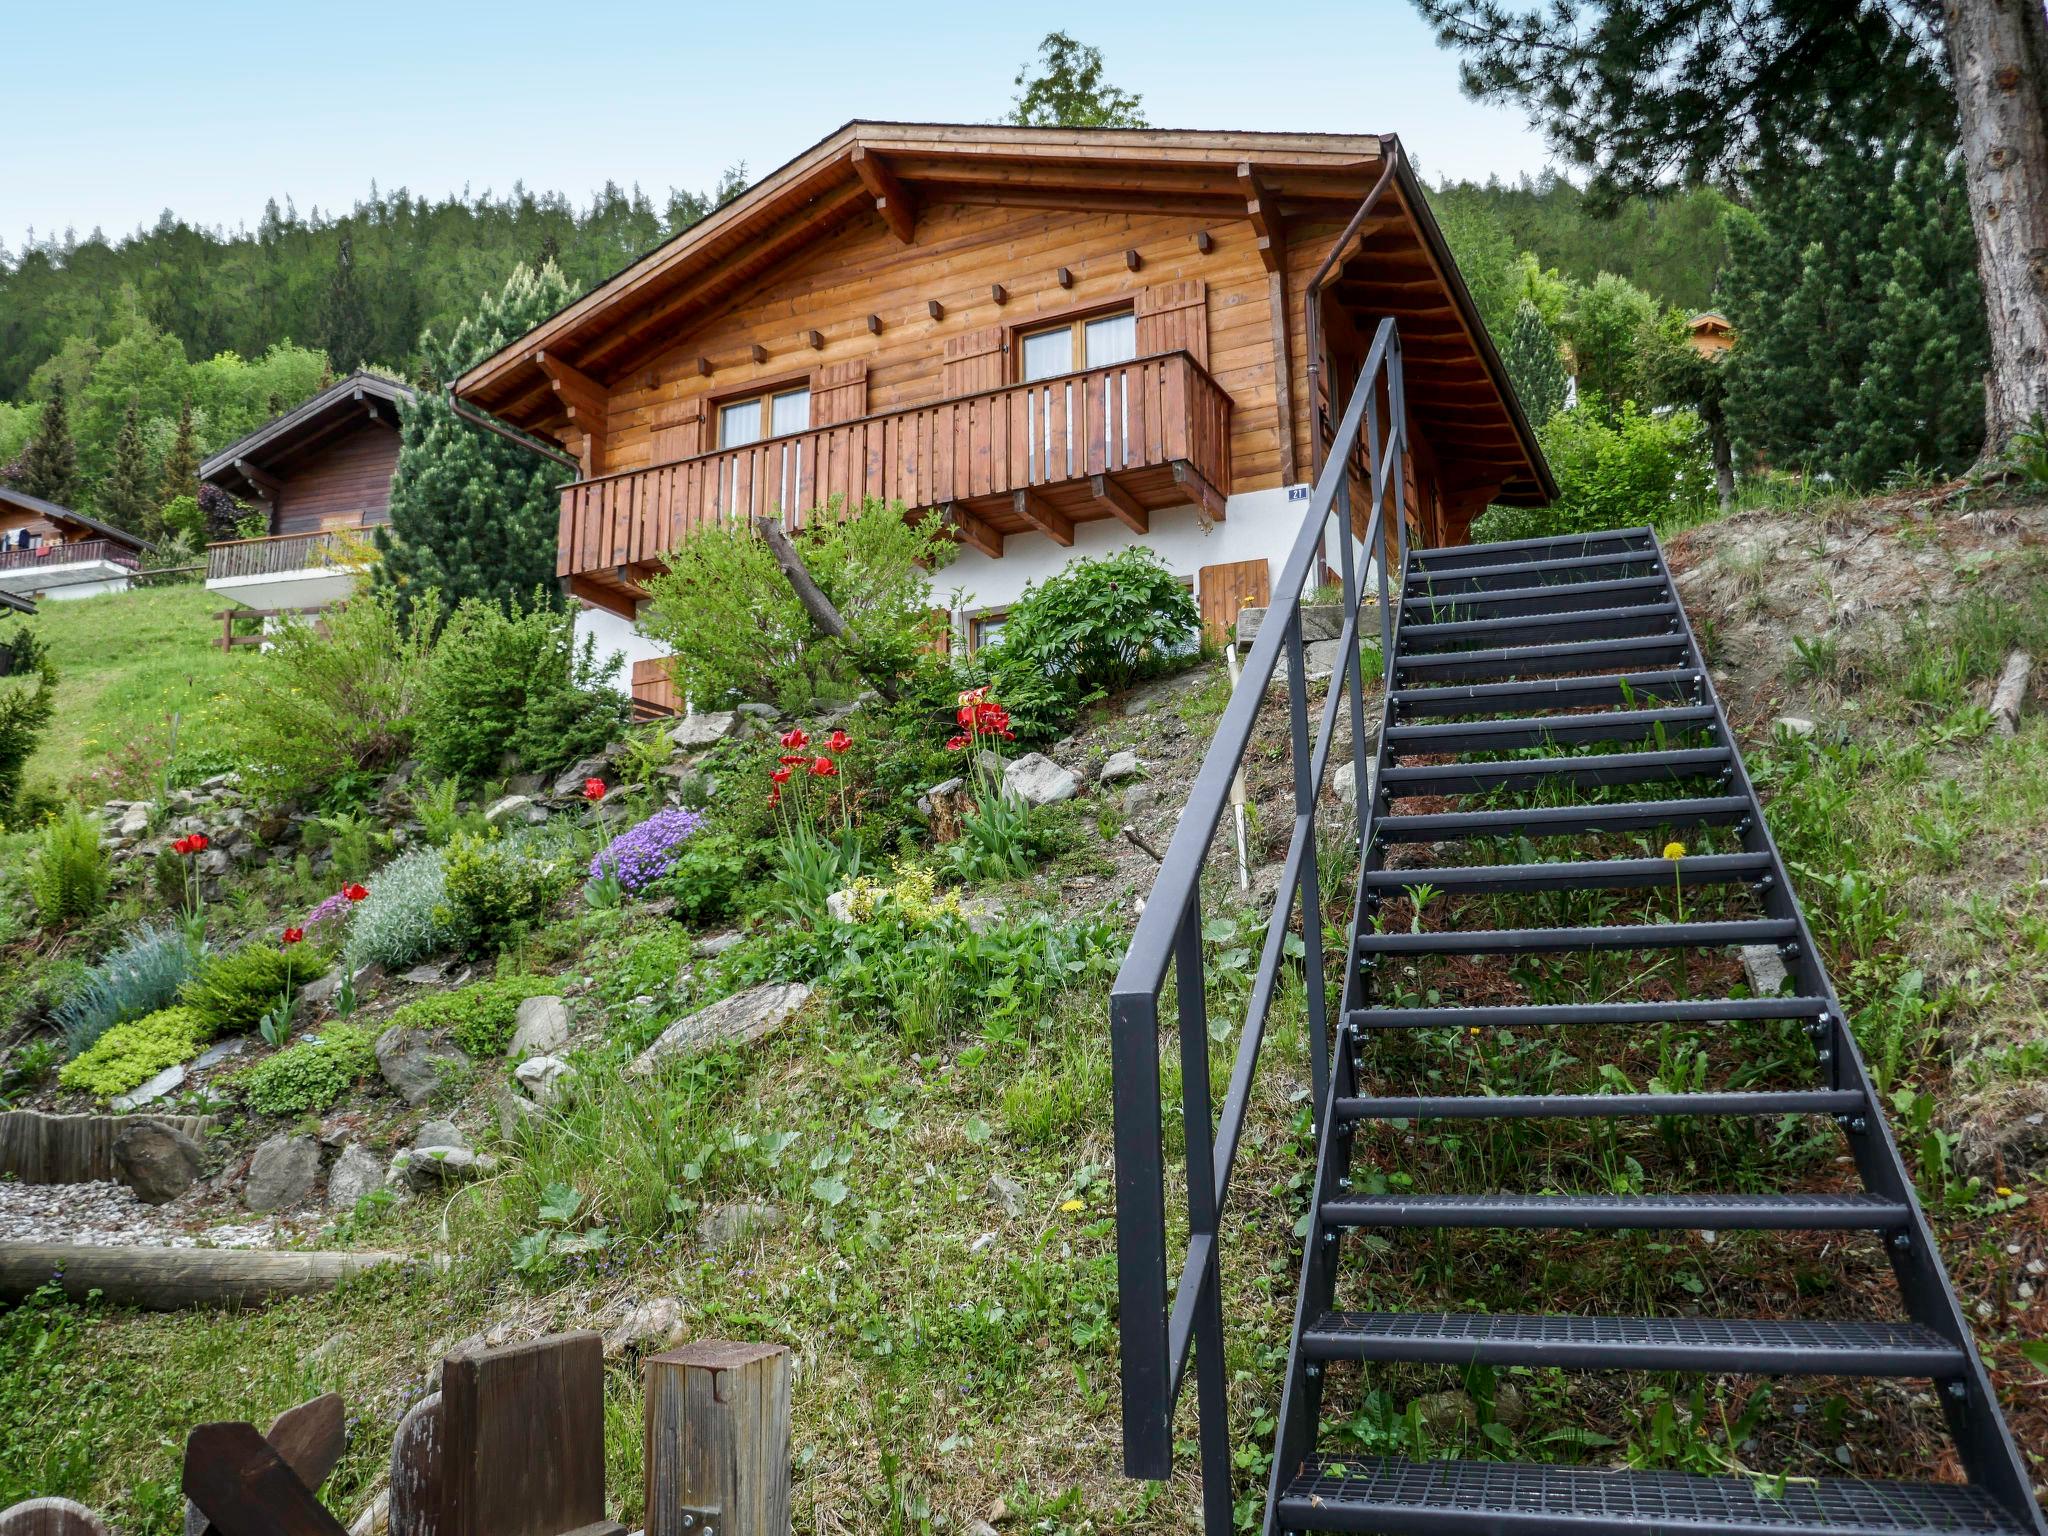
(775,795)
(824,768)
(593,789)
(781,775)
(839,741)
(293,935)
(957,744)
(355,892)
(198,842)
(793,757)
(796,740)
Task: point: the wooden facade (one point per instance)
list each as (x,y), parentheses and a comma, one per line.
(32,528)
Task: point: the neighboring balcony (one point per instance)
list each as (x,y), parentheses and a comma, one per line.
(82,568)
(290,570)
(1122,441)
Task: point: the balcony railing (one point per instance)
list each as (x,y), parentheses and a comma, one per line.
(287,553)
(1114,441)
(80,552)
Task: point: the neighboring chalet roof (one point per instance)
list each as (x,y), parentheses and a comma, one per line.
(17,602)
(250,466)
(1400,265)
(78,522)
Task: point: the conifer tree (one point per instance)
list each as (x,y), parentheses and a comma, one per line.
(127,498)
(49,460)
(181,463)
(1535,366)
(345,315)
(472,514)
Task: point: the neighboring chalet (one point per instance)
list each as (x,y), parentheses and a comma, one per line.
(1709,333)
(1061,340)
(51,551)
(321,475)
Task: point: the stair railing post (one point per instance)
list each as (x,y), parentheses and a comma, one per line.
(1353,597)
(1305,790)
(1211,1384)
(1141,1235)
(1397,442)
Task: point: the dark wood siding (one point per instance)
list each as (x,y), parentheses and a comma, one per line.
(347,484)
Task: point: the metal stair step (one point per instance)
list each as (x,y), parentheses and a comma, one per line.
(1602,1106)
(1545,1015)
(1619,936)
(1754,1347)
(1558,597)
(1582,772)
(1510,575)
(1588,875)
(1564,820)
(1557,730)
(1726,1213)
(1499,663)
(1492,1498)
(1538,629)
(1561,546)
(1628,689)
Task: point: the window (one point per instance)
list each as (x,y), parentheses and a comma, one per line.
(771,415)
(986,628)
(1097,343)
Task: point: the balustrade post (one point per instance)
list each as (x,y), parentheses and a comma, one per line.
(1309,885)
(1211,1394)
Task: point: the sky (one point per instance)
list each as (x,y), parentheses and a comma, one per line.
(209,108)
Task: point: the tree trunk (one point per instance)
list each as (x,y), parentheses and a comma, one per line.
(1724,464)
(815,602)
(1998,59)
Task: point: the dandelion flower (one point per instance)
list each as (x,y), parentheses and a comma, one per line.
(1073,1205)
(1674,850)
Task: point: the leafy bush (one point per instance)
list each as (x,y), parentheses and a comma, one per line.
(140,977)
(495,889)
(642,854)
(330,700)
(28,702)
(403,919)
(312,1075)
(706,876)
(439,810)
(1097,626)
(737,631)
(233,991)
(68,875)
(480,1016)
(511,678)
(1632,470)
(129,1055)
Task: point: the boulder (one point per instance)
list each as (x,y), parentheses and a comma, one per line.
(1036,779)
(134,820)
(355,1173)
(282,1172)
(1138,799)
(1319,621)
(167,1081)
(508,808)
(438,1133)
(220,1051)
(427,1168)
(569,782)
(944,790)
(157,1161)
(414,1063)
(714,944)
(514,1110)
(542,1028)
(696,732)
(721,1226)
(542,1076)
(648,1327)
(1120,766)
(740,1019)
(766,714)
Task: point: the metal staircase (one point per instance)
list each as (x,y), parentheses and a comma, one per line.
(1547,721)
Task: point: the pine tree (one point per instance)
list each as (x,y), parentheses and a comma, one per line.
(473,515)
(1534,363)
(345,316)
(127,498)
(49,460)
(181,463)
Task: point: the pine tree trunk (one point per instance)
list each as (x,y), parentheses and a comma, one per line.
(1724,464)
(1998,58)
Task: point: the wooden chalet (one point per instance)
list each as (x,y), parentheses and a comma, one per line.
(47,550)
(1059,339)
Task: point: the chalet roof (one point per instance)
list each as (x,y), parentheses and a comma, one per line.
(1402,267)
(50,511)
(337,410)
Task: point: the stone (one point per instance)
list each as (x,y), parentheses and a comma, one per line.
(425,975)
(1765,968)
(721,1226)
(321,988)
(1792,725)
(134,820)
(513,808)
(1509,1408)
(355,1173)
(766,713)
(514,1110)
(714,944)
(569,782)
(649,1327)
(945,789)
(414,1063)
(215,861)
(157,1161)
(220,1051)
(542,1076)
(165,1082)
(1138,799)
(282,1172)
(2009,697)
(1036,779)
(1120,766)
(737,1020)
(696,732)
(427,1168)
(438,1133)
(1319,622)
(1446,1415)
(541,1028)
(1008,1194)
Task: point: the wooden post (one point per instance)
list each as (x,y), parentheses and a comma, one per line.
(51,1517)
(522,1440)
(717,1447)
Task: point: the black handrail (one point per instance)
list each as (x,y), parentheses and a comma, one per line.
(1156,1337)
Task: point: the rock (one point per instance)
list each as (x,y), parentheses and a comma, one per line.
(134,820)
(321,988)
(569,782)
(721,1226)
(214,861)
(765,713)
(1007,1193)
(1120,766)
(282,1172)
(1319,621)
(1446,1415)
(167,1081)
(839,906)
(714,944)
(1138,799)
(1792,725)
(1765,969)
(514,1111)
(2007,699)
(649,1327)
(700,731)
(220,1051)
(508,808)
(737,1020)
(944,790)
(426,975)
(1509,1410)
(541,1028)
(542,1076)
(438,1133)
(355,1174)
(414,1063)
(2004,1131)
(427,1168)
(1036,779)
(159,1162)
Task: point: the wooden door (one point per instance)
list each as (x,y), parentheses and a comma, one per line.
(1222,591)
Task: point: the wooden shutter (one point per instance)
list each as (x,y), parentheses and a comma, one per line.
(1174,317)
(974,361)
(1225,590)
(839,392)
(678,429)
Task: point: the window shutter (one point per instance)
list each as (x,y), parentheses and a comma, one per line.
(839,392)
(974,361)
(1174,317)
(678,429)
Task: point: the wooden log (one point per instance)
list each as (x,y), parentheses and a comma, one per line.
(716,1453)
(74,1149)
(523,1440)
(51,1517)
(415,1507)
(245,1488)
(165,1279)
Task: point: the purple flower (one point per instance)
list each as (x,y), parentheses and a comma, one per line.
(334,909)
(641,855)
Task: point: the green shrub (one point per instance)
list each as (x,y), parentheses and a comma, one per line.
(129,1055)
(495,889)
(403,919)
(708,874)
(312,1075)
(139,977)
(68,875)
(233,991)
(513,679)
(28,702)
(481,1016)
(1629,471)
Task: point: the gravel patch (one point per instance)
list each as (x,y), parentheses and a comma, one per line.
(108,1214)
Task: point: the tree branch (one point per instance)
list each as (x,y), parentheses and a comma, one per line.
(818,605)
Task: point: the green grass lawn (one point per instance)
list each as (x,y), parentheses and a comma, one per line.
(126,663)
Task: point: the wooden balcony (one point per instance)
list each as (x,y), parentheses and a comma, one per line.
(289,553)
(1122,441)
(78,552)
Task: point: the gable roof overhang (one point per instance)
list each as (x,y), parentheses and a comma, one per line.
(77,524)
(251,466)
(1399,266)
